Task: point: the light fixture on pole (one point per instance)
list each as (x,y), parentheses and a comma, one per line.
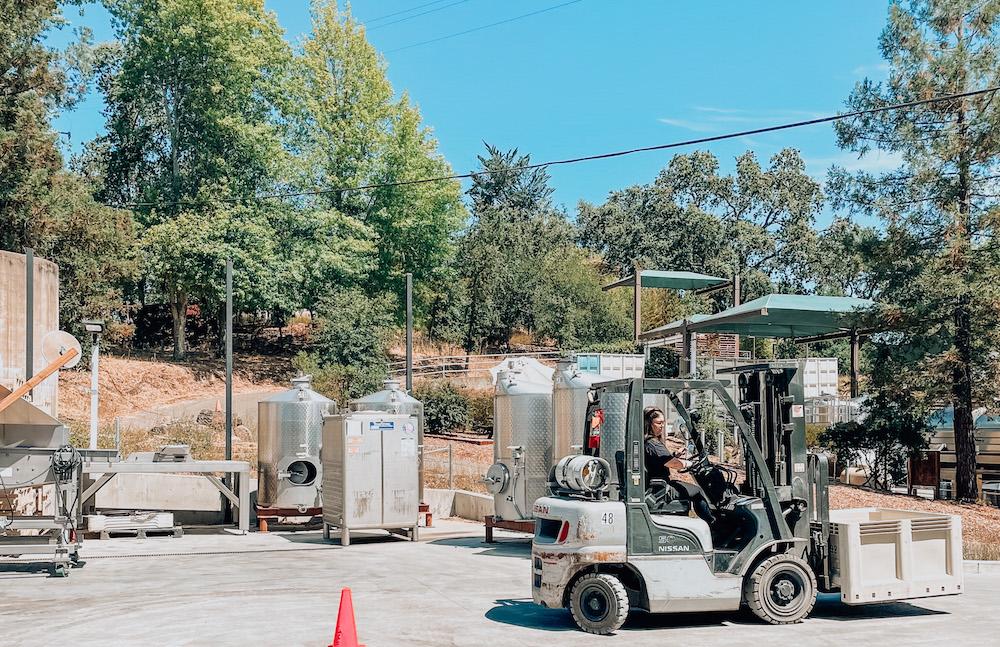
(96,329)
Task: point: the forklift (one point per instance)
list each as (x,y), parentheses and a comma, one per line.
(608,539)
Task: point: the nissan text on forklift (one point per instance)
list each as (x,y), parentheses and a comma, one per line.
(609,539)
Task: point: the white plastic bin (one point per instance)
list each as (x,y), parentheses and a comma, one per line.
(879,554)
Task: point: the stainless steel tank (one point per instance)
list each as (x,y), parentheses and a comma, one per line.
(394,399)
(522,411)
(289,434)
(370,472)
(569,408)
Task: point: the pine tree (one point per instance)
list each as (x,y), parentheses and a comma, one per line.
(936,265)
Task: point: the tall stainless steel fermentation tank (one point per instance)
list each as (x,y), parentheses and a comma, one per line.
(289,434)
(522,450)
(569,407)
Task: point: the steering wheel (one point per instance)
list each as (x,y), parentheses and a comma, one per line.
(696,465)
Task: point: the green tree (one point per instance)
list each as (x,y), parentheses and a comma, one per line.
(190,252)
(755,223)
(191,93)
(892,430)
(570,307)
(937,262)
(513,226)
(43,205)
(350,356)
(345,129)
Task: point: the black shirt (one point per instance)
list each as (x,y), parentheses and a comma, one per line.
(657,456)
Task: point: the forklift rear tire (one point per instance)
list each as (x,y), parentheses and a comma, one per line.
(599,603)
(781,590)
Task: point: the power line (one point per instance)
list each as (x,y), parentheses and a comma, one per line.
(422,13)
(587,158)
(481,27)
(396,13)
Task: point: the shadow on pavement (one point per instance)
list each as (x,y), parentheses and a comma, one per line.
(357,537)
(520,549)
(829,607)
(10,570)
(525,613)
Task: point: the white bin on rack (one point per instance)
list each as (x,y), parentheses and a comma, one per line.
(879,554)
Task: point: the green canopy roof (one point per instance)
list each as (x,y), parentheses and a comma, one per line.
(672,328)
(670,280)
(774,315)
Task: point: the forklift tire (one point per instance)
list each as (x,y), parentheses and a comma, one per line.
(781,590)
(599,603)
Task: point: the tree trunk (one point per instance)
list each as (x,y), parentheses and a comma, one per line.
(961,400)
(178,310)
(961,386)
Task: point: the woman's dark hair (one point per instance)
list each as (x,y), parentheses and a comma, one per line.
(649,414)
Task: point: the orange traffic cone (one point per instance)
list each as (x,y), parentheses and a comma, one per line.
(346,634)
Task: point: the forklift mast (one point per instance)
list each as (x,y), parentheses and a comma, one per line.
(771,399)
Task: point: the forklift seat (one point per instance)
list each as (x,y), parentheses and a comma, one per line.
(694,525)
(663,498)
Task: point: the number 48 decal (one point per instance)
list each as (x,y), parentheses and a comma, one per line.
(608,518)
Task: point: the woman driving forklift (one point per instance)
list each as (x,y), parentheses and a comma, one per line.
(660,460)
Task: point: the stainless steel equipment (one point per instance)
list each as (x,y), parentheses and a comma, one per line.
(290,428)
(35,450)
(521,444)
(393,399)
(569,407)
(370,473)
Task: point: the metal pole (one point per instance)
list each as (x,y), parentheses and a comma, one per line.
(227,506)
(637,302)
(450,473)
(29,316)
(409,332)
(855,343)
(94,352)
(736,302)
(118,435)
(229,360)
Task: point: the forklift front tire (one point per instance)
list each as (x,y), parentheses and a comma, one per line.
(599,603)
(781,590)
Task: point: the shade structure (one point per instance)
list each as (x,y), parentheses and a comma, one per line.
(672,328)
(670,280)
(775,315)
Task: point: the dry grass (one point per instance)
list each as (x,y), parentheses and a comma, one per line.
(129,386)
(207,442)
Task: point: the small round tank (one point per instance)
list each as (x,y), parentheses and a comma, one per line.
(289,433)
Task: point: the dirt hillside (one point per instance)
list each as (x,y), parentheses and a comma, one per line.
(128,386)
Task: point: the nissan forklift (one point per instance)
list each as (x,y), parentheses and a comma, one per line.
(609,539)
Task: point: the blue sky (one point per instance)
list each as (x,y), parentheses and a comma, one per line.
(603,75)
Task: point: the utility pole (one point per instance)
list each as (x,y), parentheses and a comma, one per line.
(228,514)
(409,332)
(229,360)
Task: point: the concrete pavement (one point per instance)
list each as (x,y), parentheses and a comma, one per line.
(450,589)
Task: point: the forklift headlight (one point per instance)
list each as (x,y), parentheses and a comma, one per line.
(582,473)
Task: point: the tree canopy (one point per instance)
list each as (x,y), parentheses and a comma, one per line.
(937,261)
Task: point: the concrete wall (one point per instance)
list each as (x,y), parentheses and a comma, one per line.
(459,503)
(13,324)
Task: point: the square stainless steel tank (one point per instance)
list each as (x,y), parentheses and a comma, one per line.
(370,472)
